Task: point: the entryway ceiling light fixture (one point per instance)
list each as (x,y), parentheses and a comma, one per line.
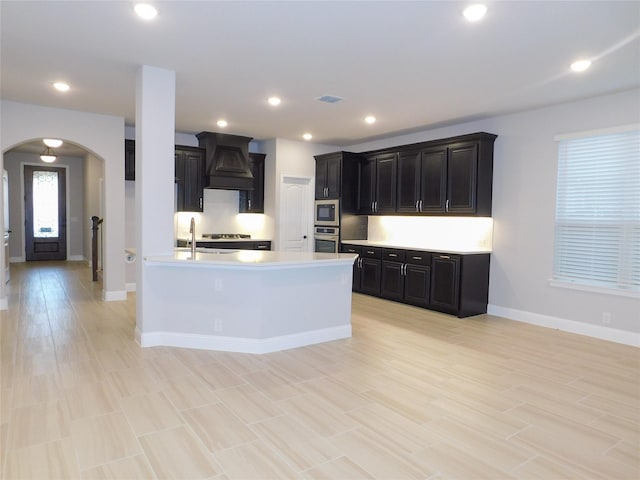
(48,156)
(52,142)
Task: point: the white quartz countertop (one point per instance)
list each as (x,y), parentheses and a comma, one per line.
(422,248)
(249,259)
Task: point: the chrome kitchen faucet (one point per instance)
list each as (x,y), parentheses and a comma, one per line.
(192,231)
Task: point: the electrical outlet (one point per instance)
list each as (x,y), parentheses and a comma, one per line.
(606,318)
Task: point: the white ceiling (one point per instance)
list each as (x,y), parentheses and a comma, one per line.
(411,64)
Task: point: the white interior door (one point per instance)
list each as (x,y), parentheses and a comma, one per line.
(296,214)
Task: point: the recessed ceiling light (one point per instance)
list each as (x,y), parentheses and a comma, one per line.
(370,119)
(52,142)
(222,123)
(307,136)
(145,11)
(473,13)
(580,65)
(61,86)
(275,101)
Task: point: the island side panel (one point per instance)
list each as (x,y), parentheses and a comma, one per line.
(254,310)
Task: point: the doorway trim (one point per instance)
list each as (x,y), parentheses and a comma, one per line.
(23,257)
(299,180)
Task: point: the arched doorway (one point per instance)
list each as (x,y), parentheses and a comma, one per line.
(80,176)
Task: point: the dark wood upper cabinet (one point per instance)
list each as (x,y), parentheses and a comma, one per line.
(252,201)
(378,178)
(328,176)
(189,177)
(451,176)
(337,177)
(189,174)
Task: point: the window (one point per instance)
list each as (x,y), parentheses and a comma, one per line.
(597,230)
(45,204)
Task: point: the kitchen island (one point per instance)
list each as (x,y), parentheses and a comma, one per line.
(245,301)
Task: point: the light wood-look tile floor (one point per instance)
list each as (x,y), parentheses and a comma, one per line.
(414,394)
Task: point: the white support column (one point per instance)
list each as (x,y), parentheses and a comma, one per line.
(155,171)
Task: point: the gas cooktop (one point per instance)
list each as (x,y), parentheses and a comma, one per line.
(226,236)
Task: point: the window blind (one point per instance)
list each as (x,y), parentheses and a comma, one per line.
(597,230)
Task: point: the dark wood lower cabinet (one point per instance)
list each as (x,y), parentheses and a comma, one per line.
(370,276)
(445,288)
(392,280)
(460,284)
(449,283)
(417,285)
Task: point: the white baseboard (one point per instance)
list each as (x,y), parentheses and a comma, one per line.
(114,295)
(131,287)
(76,258)
(17,259)
(596,331)
(244,345)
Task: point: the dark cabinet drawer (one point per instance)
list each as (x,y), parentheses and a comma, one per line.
(416,257)
(371,252)
(345,248)
(393,255)
(261,245)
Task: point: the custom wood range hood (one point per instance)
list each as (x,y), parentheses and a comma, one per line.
(227,161)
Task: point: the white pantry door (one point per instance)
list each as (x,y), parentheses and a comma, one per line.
(296,214)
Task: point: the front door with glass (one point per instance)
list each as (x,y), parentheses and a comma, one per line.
(45,213)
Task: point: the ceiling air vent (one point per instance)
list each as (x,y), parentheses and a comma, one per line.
(329,98)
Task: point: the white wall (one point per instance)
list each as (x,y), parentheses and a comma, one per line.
(103,136)
(94,174)
(293,159)
(13,163)
(524,186)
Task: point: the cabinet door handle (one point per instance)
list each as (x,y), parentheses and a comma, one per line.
(417,207)
(420,205)
(375,206)
(445,256)
(262,247)
(393,255)
(447,206)
(416,258)
(370,252)
(249,204)
(200,202)
(359,263)
(326,191)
